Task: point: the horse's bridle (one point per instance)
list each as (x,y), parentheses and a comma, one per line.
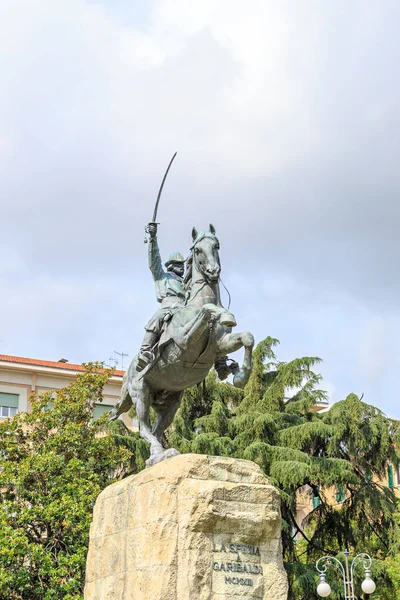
(199,238)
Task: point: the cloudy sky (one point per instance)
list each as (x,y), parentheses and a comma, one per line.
(286,118)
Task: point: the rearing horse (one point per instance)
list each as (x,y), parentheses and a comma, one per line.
(199,333)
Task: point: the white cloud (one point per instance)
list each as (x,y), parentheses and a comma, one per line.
(214,81)
(286,119)
(377,348)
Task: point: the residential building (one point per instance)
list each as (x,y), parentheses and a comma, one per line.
(307,501)
(20,377)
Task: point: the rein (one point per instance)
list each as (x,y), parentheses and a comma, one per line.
(188,297)
(227,291)
(204,281)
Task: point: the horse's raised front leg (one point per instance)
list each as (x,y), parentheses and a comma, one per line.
(232,342)
(193,330)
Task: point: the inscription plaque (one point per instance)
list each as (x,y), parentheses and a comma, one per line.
(239,565)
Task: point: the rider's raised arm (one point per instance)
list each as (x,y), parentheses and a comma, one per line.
(155,264)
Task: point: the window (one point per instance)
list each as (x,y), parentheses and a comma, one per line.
(340,494)
(390,476)
(8,405)
(7,411)
(316,500)
(100,409)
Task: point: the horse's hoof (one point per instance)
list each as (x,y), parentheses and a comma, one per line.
(227,319)
(154,459)
(160,456)
(170,453)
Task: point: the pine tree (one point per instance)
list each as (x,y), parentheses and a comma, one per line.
(346,449)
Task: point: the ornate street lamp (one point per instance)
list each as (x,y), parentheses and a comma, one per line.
(367,586)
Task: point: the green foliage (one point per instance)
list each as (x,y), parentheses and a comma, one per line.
(393,563)
(302,451)
(57,459)
(54,463)
(130,440)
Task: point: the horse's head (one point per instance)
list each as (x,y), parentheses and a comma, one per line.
(205,254)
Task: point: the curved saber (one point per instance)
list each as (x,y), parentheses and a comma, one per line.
(161,188)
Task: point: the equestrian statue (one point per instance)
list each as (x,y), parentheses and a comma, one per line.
(189,334)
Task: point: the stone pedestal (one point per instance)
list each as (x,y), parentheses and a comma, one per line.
(192,527)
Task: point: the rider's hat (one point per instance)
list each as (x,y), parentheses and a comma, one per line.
(175,257)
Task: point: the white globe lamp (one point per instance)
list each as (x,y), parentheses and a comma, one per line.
(368,586)
(324,589)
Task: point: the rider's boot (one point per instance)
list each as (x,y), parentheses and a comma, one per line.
(146,354)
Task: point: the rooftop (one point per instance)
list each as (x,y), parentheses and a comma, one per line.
(64,366)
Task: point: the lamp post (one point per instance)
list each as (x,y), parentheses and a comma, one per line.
(347,571)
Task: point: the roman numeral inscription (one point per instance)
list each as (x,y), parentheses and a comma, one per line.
(235,562)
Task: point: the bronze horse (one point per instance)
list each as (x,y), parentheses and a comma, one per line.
(199,333)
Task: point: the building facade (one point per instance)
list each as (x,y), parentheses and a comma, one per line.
(21,377)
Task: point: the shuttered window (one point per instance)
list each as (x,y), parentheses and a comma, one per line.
(390,476)
(316,501)
(340,494)
(8,404)
(100,409)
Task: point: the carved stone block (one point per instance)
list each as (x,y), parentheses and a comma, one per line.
(190,528)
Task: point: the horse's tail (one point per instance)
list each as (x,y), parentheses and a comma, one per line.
(125,401)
